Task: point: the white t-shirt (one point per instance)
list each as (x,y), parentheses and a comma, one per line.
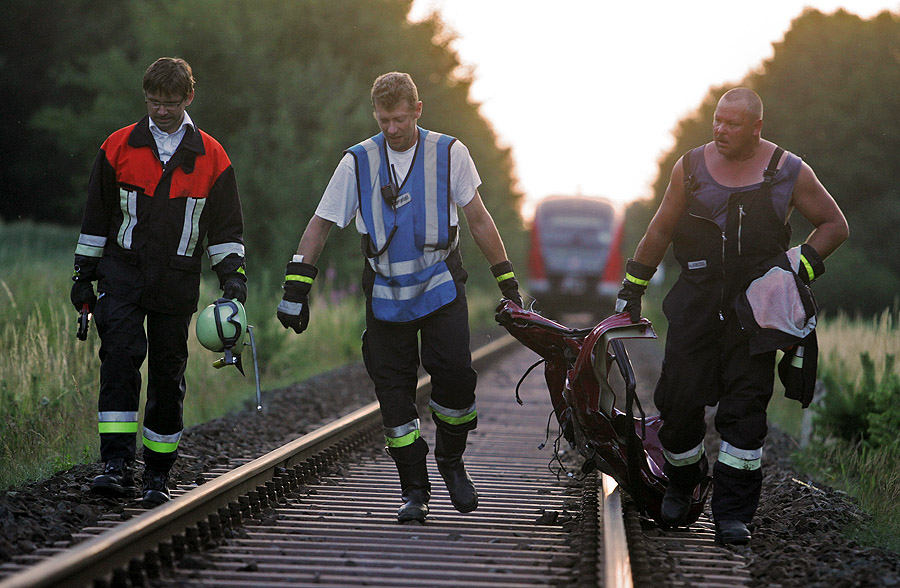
(340,201)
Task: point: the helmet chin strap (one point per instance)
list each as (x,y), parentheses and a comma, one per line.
(230,342)
(230,358)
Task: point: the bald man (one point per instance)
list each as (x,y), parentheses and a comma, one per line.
(725,212)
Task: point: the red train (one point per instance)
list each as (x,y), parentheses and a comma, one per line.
(575,260)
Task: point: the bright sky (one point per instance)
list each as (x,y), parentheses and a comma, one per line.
(587,92)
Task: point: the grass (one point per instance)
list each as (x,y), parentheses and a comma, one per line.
(871,476)
(867,472)
(49,379)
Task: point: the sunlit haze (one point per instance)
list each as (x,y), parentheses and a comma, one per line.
(588,92)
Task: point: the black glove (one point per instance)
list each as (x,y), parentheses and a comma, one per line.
(811,264)
(83,293)
(82,290)
(293,310)
(507,281)
(637,276)
(235,289)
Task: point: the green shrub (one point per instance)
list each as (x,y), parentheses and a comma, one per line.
(861,409)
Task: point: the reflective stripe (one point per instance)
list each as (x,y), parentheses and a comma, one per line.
(117,421)
(689,457)
(741,459)
(190,230)
(373,162)
(402,268)
(128,204)
(410,292)
(292,308)
(90,245)
(403,441)
(117,416)
(432,216)
(298,278)
(635,280)
(808,266)
(219,252)
(797,360)
(117,427)
(453,416)
(161,443)
(403,435)
(505,276)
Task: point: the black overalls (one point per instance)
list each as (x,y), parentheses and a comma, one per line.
(707,360)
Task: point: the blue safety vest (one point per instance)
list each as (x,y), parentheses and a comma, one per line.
(411,237)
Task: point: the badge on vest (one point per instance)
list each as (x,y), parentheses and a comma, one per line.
(697,264)
(403,199)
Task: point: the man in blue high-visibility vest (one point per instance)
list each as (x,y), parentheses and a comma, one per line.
(403,187)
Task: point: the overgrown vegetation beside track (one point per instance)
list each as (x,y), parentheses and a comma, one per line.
(49,380)
(855,444)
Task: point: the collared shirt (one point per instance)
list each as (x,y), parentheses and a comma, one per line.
(167,143)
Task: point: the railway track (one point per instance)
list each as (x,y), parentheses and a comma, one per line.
(321,511)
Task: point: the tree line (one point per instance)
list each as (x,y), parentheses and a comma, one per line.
(830,96)
(284,86)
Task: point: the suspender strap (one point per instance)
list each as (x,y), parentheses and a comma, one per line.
(688,176)
(772,169)
(768,173)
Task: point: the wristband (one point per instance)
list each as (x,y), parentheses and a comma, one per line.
(298,278)
(638,274)
(811,262)
(503,271)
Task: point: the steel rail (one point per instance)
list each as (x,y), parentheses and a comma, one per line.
(110,552)
(102,555)
(616,561)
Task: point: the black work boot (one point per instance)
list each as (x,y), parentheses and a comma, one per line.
(676,505)
(675,509)
(155,488)
(448,451)
(416,491)
(732,532)
(116,481)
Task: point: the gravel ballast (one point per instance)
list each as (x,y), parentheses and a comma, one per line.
(799,532)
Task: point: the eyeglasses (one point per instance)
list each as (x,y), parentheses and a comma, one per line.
(155,105)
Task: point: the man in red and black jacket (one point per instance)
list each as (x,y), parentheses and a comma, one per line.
(160,189)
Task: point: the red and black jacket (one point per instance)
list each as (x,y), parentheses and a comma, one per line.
(147,224)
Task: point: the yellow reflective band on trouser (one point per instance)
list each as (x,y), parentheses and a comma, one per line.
(689,457)
(297,278)
(118,427)
(403,435)
(403,441)
(452,416)
(635,280)
(740,459)
(505,276)
(808,266)
(117,421)
(161,443)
